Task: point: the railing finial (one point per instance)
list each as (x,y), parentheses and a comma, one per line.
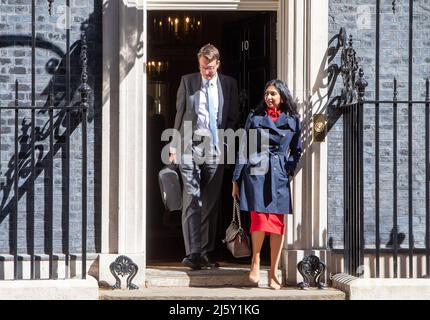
(361,84)
(50,3)
(348,70)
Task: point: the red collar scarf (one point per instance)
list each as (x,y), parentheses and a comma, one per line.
(273,113)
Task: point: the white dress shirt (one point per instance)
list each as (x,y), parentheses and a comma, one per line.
(202,109)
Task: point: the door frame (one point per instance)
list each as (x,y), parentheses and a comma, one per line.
(302,38)
(208,6)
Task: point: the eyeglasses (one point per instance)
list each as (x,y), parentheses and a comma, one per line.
(209,68)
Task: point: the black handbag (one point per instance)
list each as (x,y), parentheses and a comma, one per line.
(170,187)
(236,238)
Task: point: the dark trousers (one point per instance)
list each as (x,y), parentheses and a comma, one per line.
(201,190)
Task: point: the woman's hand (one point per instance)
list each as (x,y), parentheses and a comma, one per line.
(172,158)
(235,193)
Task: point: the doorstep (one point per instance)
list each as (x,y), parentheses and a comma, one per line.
(217,293)
(226,276)
(174,282)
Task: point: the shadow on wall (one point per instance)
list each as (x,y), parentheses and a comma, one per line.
(62,126)
(327,77)
(64,123)
(129,40)
(320,101)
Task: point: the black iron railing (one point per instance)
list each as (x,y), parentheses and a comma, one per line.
(30,160)
(353,105)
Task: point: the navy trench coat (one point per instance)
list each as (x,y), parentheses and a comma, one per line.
(263,170)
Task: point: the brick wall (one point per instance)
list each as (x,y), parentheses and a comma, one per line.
(15,64)
(359,19)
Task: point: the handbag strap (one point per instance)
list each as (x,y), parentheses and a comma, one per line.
(236,213)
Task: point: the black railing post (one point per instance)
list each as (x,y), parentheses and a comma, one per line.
(50,3)
(361,85)
(410,138)
(427,159)
(31,222)
(14,220)
(346,197)
(377,150)
(395,213)
(85,91)
(347,184)
(49,181)
(66,167)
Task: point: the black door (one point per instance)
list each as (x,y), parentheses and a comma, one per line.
(249,55)
(249,51)
(246,41)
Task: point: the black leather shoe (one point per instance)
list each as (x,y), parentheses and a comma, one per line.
(207,263)
(192,261)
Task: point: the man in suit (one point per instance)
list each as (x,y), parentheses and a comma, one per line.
(206,101)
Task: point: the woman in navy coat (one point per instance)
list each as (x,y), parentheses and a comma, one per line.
(263,172)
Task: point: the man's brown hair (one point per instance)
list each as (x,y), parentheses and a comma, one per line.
(208,51)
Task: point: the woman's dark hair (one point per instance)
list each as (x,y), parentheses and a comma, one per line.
(288,105)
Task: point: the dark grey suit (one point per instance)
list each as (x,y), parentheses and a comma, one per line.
(202,182)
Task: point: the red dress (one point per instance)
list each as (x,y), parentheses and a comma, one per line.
(268,222)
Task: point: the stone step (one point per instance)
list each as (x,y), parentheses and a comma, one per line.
(60,270)
(217,293)
(221,277)
(382,289)
(50,289)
